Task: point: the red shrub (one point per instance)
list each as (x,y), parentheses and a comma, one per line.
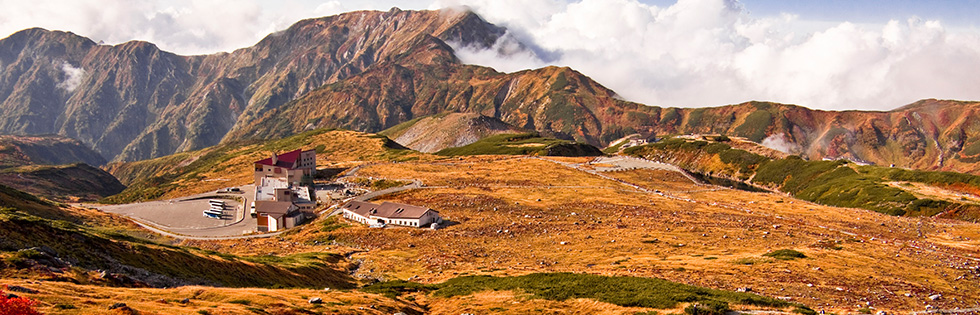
(17,305)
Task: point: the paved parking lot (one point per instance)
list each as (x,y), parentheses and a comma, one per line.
(178,213)
(185,215)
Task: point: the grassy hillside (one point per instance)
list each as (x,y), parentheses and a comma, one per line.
(75,182)
(836,183)
(35,235)
(45,150)
(231,164)
(510,216)
(622,291)
(523,144)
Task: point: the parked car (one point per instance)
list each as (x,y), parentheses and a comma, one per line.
(229,190)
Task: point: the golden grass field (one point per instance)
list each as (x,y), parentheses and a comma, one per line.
(55,298)
(520,215)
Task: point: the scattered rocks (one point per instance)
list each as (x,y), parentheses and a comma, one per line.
(117,305)
(185,301)
(935,297)
(744,289)
(21,289)
(316,300)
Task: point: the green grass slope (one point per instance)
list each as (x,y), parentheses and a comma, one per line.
(618,290)
(836,183)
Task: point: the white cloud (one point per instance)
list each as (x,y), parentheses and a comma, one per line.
(692,53)
(712,52)
(180,26)
(330,8)
(779,143)
(73,77)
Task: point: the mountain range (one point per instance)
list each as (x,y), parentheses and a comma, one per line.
(370,71)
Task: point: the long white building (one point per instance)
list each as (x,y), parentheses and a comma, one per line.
(390,213)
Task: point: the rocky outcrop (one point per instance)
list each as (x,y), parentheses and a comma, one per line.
(434,133)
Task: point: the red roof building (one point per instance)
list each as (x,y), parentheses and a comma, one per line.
(290,166)
(280,200)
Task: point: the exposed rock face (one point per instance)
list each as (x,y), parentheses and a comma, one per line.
(45,150)
(434,133)
(557,102)
(133,101)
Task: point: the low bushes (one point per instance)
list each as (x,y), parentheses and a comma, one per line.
(785,254)
(623,291)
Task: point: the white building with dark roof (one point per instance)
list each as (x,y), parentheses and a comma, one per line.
(390,213)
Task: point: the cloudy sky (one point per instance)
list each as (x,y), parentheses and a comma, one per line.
(828,54)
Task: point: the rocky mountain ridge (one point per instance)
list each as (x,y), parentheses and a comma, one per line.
(133,101)
(369,71)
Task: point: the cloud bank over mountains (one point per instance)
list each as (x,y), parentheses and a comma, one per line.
(689,54)
(712,52)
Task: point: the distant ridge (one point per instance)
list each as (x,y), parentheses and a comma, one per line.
(45,150)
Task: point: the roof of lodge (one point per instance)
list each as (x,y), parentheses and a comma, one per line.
(387,210)
(288,160)
(267,190)
(273,208)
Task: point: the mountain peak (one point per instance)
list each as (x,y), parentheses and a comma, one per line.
(134,101)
